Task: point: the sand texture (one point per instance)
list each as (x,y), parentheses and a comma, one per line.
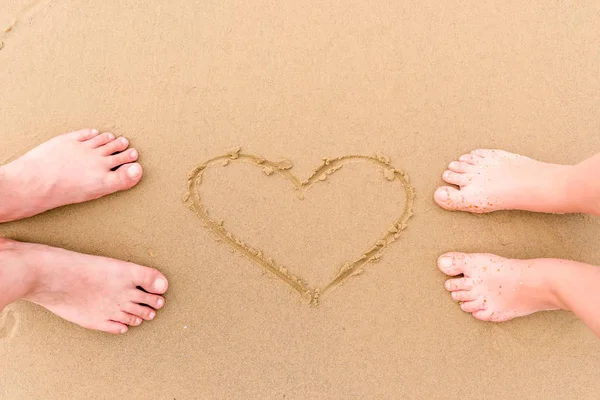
(297,269)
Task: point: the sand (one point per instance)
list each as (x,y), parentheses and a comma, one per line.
(189,81)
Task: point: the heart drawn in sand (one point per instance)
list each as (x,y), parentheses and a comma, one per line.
(282,168)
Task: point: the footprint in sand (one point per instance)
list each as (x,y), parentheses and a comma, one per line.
(8,324)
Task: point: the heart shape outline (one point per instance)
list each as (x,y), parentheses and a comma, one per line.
(328,167)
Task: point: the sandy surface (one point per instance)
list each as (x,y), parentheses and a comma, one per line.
(187,81)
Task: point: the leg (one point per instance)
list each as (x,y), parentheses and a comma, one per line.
(498,289)
(94,292)
(491,180)
(67,169)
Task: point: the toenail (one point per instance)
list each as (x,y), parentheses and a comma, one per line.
(453,164)
(134,154)
(138,321)
(111,136)
(123,140)
(443,195)
(134,171)
(95,131)
(160,302)
(445,262)
(152,315)
(160,284)
(123,330)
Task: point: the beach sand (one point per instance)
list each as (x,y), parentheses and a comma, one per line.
(189,81)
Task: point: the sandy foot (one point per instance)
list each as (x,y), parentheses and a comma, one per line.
(492,180)
(71,168)
(93,292)
(498,289)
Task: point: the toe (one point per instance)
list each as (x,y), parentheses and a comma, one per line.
(123,158)
(149,299)
(472,306)
(455,178)
(470,159)
(449,198)
(463,295)
(452,264)
(483,315)
(114,146)
(459,284)
(100,140)
(140,311)
(460,166)
(112,327)
(483,152)
(127,318)
(125,177)
(83,134)
(151,280)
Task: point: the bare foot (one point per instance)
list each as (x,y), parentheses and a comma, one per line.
(499,289)
(71,168)
(492,180)
(93,292)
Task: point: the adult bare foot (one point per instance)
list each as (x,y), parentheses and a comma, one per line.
(492,180)
(93,292)
(71,168)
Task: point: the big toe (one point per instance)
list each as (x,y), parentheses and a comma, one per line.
(125,177)
(151,280)
(452,264)
(449,198)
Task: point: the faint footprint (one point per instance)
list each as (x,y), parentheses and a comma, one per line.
(8,324)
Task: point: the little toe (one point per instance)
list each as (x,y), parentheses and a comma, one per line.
(83,134)
(123,158)
(151,280)
(100,140)
(114,146)
(459,284)
(125,177)
(455,178)
(149,299)
(474,305)
(112,327)
(463,295)
(452,264)
(140,311)
(460,166)
(449,198)
(127,318)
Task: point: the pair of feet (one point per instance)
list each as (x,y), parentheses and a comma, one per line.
(110,295)
(494,288)
(94,292)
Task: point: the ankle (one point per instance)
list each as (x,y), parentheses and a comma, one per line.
(544,276)
(583,192)
(19,274)
(10,198)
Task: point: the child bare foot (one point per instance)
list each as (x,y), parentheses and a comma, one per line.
(492,180)
(71,168)
(93,292)
(498,289)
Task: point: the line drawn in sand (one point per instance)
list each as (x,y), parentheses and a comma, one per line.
(321,173)
(23,13)
(8,324)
